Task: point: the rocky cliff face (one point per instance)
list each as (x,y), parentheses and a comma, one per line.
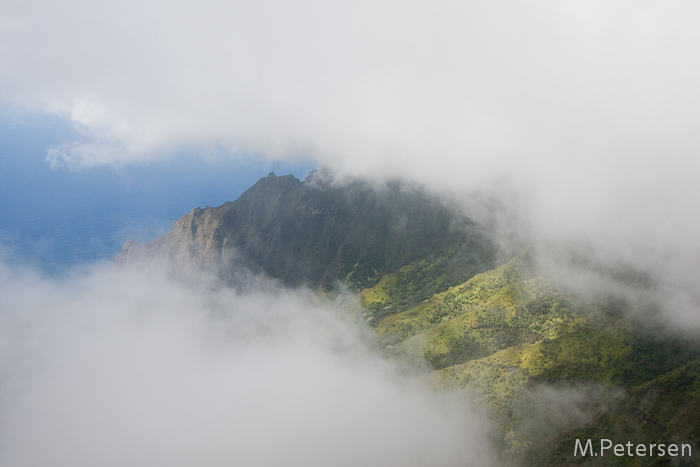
(315,233)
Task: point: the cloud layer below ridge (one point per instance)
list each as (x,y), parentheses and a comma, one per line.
(128,368)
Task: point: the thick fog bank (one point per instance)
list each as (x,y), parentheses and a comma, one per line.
(123,367)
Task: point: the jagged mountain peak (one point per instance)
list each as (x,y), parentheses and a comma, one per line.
(318,232)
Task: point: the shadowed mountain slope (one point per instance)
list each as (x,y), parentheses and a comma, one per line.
(317,232)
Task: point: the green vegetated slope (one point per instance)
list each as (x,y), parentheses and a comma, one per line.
(549,368)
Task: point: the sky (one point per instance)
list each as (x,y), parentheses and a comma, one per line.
(59,219)
(579,120)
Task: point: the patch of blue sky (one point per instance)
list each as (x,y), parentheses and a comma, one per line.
(57,219)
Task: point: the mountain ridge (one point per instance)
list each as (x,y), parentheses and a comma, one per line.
(318,232)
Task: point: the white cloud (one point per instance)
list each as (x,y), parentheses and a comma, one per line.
(114,368)
(361,85)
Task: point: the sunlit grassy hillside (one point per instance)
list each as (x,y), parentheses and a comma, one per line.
(548,367)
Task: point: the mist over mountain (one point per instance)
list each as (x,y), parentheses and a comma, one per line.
(548,357)
(339,322)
